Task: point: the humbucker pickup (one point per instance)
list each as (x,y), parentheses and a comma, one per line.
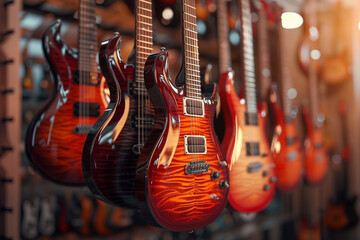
(290,141)
(195,144)
(196,167)
(193,107)
(86,78)
(291,156)
(252,149)
(85,109)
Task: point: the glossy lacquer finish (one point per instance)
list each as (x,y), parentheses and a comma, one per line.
(108,159)
(285,147)
(316,158)
(249,192)
(167,196)
(51,143)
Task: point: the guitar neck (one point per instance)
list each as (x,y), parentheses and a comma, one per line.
(312,74)
(87,38)
(264,60)
(247,54)
(144,38)
(191,50)
(223,31)
(285,79)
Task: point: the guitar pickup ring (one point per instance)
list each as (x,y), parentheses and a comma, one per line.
(193,107)
(195,144)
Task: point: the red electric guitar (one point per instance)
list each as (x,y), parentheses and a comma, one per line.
(115,141)
(309,39)
(57,133)
(246,149)
(315,155)
(181,176)
(285,147)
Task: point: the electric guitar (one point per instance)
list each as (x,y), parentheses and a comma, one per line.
(29,219)
(47,221)
(246,149)
(309,40)
(56,135)
(315,155)
(335,68)
(181,176)
(115,141)
(285,147)
(341,212)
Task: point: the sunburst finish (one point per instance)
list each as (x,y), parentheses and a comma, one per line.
(249,192)
(316,158)
(168,196)
(53,147)
(113,146)
(285,148)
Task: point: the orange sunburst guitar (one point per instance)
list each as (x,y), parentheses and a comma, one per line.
(335,68)
(57,133)
(286,146)
(182,177)
(309,39)
(246,149)
(315,155)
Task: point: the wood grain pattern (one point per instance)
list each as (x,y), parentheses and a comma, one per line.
(287,156)
(247,190)
(51,144)
(168,197)
(109,166)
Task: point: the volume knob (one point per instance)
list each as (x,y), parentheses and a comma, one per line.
(224,184)
(214,175)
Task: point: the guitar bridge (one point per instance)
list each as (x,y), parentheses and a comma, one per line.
(196,167)
(195,144)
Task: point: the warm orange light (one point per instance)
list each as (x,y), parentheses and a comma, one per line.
(291,20)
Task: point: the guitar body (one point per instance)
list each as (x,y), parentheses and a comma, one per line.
(306,44)
(167,195)
(342,215)
(316,158)
(56,135)
(285,148)
(111,149)
(335,217)
(251,189)
(335,69)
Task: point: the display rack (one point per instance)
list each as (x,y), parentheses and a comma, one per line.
(11,93)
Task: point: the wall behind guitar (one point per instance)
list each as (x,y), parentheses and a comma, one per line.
(43,210)
(11,120)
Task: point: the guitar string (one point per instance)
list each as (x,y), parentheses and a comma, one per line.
(188,92)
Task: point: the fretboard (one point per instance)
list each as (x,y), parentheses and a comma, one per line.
(223,31)
(191,50)
(87,39)
(144,38)
(247,56)
(264,59)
